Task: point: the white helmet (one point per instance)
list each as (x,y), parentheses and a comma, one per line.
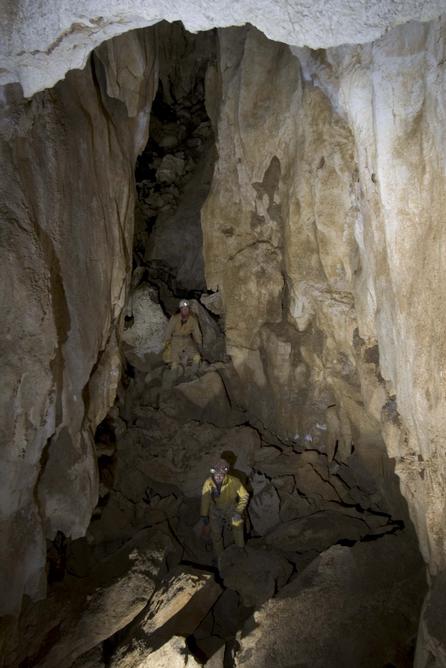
(184,303)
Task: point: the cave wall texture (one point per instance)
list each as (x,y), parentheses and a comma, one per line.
(324,236)
(323,232)
(67,212)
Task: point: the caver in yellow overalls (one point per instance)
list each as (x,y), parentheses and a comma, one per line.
(185,339)
(224,506)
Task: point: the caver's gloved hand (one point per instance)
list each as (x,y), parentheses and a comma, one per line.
(205,528)
(236,517)
(167,352)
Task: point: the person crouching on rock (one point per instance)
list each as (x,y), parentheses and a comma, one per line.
(183,339)
(223,501)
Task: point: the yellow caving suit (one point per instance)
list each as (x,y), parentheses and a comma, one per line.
(220,508)
(185,338)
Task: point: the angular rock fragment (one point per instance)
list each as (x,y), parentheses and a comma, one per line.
(81,616)
(176,608)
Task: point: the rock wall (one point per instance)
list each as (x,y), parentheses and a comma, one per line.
(68,157)
(280,247)
(323,234)
(42,40)
(392,94)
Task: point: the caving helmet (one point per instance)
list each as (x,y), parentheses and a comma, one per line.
(220,466)
(184,303)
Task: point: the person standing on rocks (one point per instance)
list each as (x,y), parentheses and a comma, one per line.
(223,502)
(183,338)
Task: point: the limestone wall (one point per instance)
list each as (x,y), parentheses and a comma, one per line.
(68,157)
(323,233)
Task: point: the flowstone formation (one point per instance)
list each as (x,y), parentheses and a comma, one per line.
(307,187)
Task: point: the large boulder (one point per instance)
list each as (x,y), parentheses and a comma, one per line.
(317,532)
(350,607)
(178,606)
(144,339)
(82,612)
(204,399)
(229,614)
(255,573)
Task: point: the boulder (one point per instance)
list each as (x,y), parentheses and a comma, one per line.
(171,167)
(177,607)
(173,654)
(217,659)
(295,505)
(144,340)
(82,612)
(264,505)
(316,532)
(255,573)
(92,659)
(350,607)
(204,399)
(213,303)
(214,648)
(229,614)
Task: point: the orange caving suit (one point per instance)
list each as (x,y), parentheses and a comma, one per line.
(185,338)
(220,508)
